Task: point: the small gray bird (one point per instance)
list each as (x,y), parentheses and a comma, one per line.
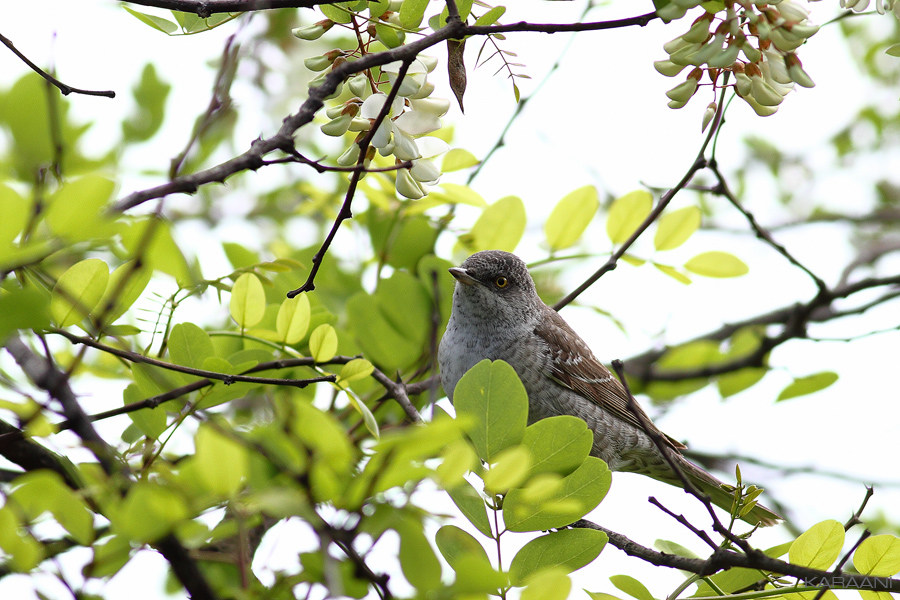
(498,315)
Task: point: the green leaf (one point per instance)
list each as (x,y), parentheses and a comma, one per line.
(717,264)
(336,14)
(601,596)
(675,548)
(500,226)
(358,368)
(150,98)
(495,399)
(78,291)
(458,159)
(417,560)
(77,210)
(43,491)
(240,256)
(368,418)
(14,209)
(552,584)
(386,344)
(878,555)
(109,557)
(558,444)
(454,543)
(222,462)
(631,586)
(157,23)
(578,494)
(125,286)
(491,16)
(27,308)
(571,216)
(730,384)
(248,301)
(471,505)
(189,346)
(25,552)
(893,50)
(148,512)
(626,214)
(411,13)
(151,421)
(674,228)
(323,343)
(819,546)
(807,385)
(673,273)
(509,469)
(151,237)
(453,193)
(293,317)
(570,549)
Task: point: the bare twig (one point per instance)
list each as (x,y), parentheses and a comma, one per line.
(65,89)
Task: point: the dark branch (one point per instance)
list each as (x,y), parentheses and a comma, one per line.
(205,8)
(65,89)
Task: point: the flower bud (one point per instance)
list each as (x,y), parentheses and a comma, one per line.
(670,12)
(407,186)
(668,68)
(725,58)
(796,72)
(359,85)
(683,91)
(423,92)
(350,155)
(434,106)
(425,171)
(430,62)
(764,93)
(314,31)
(708,115)
(763,111)
(699,31)
(337,127)
(358,124)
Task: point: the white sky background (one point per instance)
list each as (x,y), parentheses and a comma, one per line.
(602,119)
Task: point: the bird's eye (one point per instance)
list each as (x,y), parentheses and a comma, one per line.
(501,282)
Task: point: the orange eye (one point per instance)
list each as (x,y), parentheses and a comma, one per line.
(501,282)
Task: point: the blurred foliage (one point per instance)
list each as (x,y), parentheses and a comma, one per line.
(224,439)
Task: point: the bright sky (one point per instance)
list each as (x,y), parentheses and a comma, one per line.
(601,119)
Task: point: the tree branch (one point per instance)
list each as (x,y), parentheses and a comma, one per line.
(65,89)
(206,8)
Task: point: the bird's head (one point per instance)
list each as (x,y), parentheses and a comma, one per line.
(495,285)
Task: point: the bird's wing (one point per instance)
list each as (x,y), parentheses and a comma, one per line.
(575,367)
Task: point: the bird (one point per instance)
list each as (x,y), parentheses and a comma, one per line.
(498,315)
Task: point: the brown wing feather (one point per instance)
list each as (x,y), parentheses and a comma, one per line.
(576,367)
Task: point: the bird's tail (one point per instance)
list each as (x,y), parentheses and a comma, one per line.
(721,497)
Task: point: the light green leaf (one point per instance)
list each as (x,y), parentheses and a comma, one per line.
(631,586)
(471,505)
(417,560)
(558,444)
(634,261)
(730,384)
(189,346)
(495,399)
(675,548)
(222,462)
(601,596)
(358,368)
(878,555)
(336,14)
(459,458)
(674,228)
(454,193)
(819,546)
(14,209)
(362,409)
(454,543)
(551,584)
(578,494)
(673,273)
(717,264)
(626,214)
(491,16)
(292,321)
(411,13)
(151,421)
(807,385)
(509,469)
(148,512)
(893,50)
(570,549)
(125,286)
(323,343)
(155,22)
(571,216)
(78,291)
(25,552)
(248,301)
(500,226)
(458,159)
(75,210)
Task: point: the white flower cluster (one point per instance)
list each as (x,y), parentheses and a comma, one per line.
(756,41)
(882,6)
(412,115)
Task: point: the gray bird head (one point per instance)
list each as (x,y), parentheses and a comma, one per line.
(494,285)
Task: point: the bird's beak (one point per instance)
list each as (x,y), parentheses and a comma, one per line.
(462,276)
